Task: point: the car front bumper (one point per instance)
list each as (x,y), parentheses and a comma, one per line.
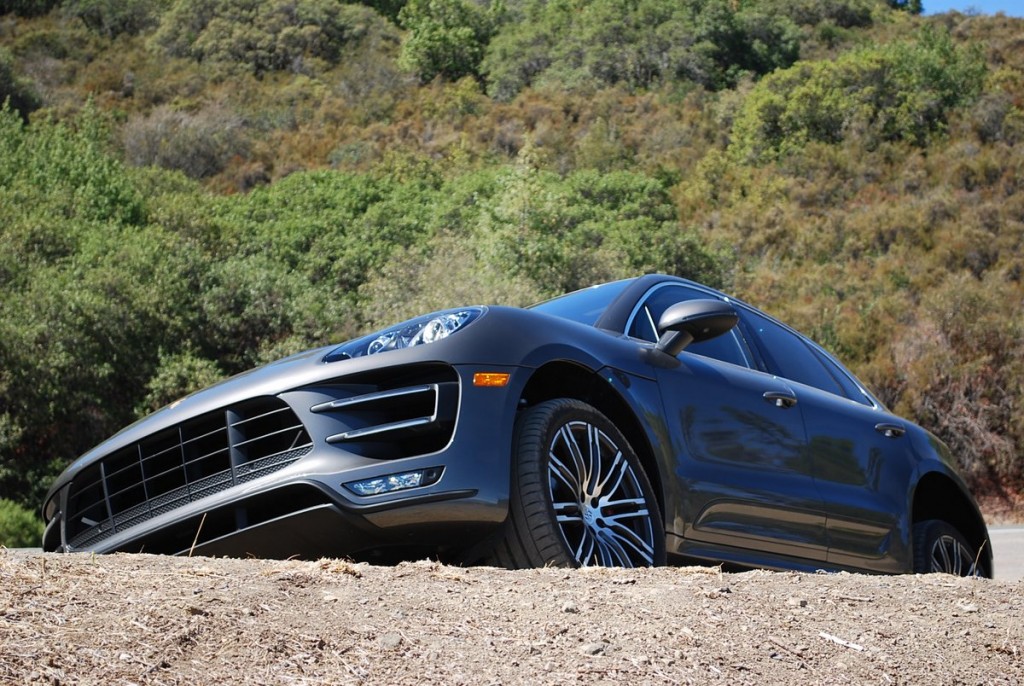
(393,421)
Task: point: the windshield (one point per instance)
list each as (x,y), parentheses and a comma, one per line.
(586,305)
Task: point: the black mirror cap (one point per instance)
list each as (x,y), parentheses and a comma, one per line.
(693,321)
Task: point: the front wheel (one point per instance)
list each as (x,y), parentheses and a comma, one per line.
(579,495)
(941,548)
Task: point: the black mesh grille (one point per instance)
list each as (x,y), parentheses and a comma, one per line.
(183,464)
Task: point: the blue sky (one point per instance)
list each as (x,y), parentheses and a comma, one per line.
(1012,8)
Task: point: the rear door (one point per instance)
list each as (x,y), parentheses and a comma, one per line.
(747,484)
(861,459)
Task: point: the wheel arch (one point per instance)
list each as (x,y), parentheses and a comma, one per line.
(937,496)
(564,379)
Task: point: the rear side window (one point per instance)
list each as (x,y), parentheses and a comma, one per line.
(853,391)
(789,356)
(643,324)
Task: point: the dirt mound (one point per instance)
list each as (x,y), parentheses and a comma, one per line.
(157,620)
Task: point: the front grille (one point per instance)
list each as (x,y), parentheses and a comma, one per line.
(183,464)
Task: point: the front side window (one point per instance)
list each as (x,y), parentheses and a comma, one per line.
(643,324)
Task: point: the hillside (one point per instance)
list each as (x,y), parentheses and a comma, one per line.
(192,187)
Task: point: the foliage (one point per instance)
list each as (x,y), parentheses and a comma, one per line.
(901,91)
(262,36)
(72,165)
(638,43)
(911,6)
(388,8)
(176,376)
(446,37)
(835,13)
(15,92)
(111,18)
(19,526)
(199,144)
(962,365)
(27,8)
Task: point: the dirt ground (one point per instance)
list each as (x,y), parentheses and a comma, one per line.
(139,619)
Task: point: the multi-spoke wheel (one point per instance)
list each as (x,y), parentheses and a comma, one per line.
(579,495)
(938,547)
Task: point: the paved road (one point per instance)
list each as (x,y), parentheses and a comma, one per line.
(1008,549)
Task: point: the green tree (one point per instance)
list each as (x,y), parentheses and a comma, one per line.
(446,37)
(19,526)
(903,91)
(909,6)
(638,43)
(111,18)
(293,35)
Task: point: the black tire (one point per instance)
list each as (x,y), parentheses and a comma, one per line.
(565,512)
(940,548)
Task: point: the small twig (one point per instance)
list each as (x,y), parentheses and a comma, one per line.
(977,557)
(196,539)
(859,599)
(840,641)
(782,645)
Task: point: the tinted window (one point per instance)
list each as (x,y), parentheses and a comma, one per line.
(789,355)
(643,324)
(585,306)
(850,387)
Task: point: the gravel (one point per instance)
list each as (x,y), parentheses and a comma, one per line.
(140,619)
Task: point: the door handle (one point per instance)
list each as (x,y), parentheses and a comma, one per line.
(890,430)
(780,399)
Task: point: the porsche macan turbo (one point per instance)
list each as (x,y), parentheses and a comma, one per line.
(638,422)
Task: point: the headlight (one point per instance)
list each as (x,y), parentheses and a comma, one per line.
(419,331)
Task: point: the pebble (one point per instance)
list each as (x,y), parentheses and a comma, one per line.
(390,641)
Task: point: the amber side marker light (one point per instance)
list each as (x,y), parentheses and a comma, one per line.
(491,379)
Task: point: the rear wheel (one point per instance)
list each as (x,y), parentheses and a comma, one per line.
(579,494)
(941,548)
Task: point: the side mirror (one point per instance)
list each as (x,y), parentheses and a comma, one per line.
(693,321)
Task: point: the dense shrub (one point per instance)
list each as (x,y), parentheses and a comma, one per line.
(901,91)
(200,144)
(19,526)
(260,36)
(962,366)
(15,91)
(638,44)
(27,8)
(66,169)
(111,18)
(176,376)
(446,37)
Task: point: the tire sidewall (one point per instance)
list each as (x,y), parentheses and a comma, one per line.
(531,455)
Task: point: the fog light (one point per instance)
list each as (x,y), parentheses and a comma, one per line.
(396,482)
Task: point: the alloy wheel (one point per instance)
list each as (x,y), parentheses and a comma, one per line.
(949,556)
(598,502)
